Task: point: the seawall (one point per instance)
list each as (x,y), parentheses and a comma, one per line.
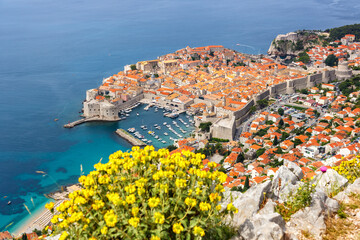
(132,140)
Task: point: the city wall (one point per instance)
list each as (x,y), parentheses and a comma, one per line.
(287,87)
(131,102)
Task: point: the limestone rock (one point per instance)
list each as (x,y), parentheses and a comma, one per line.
(248,203)
(294,169)
(283,182)
(268,208)
(329,181)
(352,188)
(267,227)
(312,218)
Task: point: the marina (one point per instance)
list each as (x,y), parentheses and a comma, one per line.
(157,130)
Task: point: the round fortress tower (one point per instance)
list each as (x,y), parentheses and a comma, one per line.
(343,71)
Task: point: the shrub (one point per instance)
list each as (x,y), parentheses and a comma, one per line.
(349,169)
(145,194)
(205,127)
(296,201)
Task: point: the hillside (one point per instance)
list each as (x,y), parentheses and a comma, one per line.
(339,32)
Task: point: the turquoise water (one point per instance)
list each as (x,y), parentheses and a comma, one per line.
(52,51)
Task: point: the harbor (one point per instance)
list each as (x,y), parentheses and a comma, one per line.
(152,124)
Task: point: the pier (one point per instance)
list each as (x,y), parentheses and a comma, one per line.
(148,106)
(131,139)
(84,120)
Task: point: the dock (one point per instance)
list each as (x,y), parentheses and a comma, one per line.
(148,106)
(128,137)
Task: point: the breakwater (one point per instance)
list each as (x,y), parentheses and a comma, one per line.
(134,141)
(90,119)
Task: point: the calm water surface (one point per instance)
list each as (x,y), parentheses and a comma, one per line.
(52,51)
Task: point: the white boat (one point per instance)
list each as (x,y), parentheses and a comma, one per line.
(165,133)
(163,141)
(164,123)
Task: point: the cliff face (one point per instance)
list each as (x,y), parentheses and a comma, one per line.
(293,43)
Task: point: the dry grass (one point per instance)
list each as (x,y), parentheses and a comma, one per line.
(344,225)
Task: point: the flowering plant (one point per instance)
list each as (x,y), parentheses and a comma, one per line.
(349,169)
(145,194)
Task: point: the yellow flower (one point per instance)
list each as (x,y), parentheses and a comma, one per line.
(159,218)
(98,204)
(134,221)
(218,207)
(153,202)
(198,231)
(214,197)
(64,235)
(230,207)
(110,218)
(212,165)
(50,206)
(130,199)
(80,200)
(204,206)
(104,230)
(130,188)
(191,202)
(180,183)
(134,211)
(164,187)
(114,198)
(55,219)
(153,237)
(178,228)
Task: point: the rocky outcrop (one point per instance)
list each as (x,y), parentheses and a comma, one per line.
(262,226)
(293,43)
(285,180)
(312,218)
(351,189)
(257,218)
(329,181)
(252,199)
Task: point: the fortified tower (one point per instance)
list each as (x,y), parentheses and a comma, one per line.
(343,71)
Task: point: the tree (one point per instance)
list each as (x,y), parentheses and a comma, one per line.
(299,46)
(304,57)
(240,158)
(171,147)
(260,152)
(205,127)
(247,184)
(275,142)
(304,91)
(262,103)
(133,67)
(297,142)
(331,60)
(24,237)
(281,111)
(281,122)
(284,136)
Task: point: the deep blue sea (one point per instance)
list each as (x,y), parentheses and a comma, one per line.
(51,51)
